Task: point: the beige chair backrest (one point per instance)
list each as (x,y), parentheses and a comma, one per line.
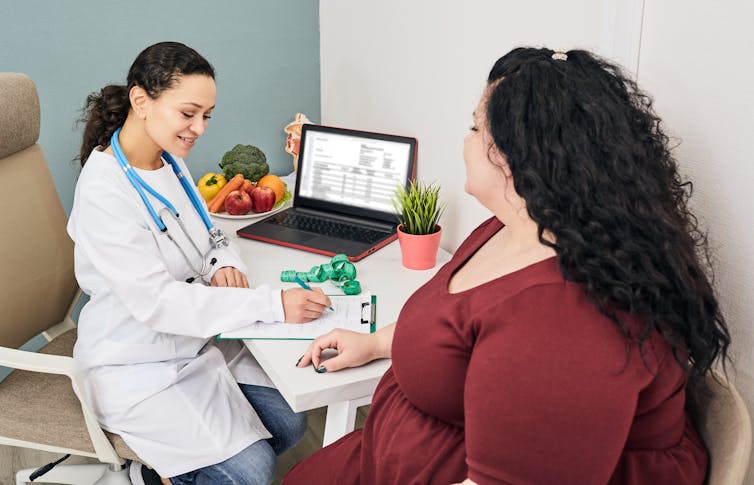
(38,282)
(43,399)
(721,418)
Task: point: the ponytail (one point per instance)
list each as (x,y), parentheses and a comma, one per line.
(103,112)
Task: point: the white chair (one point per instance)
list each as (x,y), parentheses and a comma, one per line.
(43,404)
(720,416)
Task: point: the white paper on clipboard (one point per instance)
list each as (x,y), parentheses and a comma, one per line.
(351,312)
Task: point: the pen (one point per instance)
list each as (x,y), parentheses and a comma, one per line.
(303,285)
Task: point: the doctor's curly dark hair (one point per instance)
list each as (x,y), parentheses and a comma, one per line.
(590,159)
(156,69)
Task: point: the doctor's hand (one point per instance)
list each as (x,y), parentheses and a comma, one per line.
(230,277)
(354,349)
(302,305)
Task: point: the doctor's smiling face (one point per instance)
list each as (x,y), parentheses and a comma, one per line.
(178,115)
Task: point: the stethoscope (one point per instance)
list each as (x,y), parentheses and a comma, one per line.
(217,237)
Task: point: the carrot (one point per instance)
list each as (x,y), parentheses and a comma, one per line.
(246,185)
(218,201)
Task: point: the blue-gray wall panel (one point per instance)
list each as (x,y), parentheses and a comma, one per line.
(266,54)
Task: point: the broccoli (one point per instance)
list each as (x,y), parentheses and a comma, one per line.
(247,160)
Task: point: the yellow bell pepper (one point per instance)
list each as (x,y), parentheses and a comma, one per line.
(210,184)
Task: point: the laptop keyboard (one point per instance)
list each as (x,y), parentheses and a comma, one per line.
(326,227)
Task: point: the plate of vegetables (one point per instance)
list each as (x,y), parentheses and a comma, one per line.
(245,189)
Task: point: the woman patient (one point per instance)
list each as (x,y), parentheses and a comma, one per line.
(556,345)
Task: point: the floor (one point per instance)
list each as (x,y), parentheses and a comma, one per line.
(13,459)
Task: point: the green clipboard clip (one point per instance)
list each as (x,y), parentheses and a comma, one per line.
(372,319)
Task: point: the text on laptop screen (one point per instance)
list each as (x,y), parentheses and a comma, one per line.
(354,170)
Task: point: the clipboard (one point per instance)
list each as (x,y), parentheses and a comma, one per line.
(351,312)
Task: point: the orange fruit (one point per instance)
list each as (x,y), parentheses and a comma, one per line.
(273,182)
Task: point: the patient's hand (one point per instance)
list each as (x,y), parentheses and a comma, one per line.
(230,277)
(354,349)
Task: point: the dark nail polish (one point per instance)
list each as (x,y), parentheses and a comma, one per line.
(321,370)
(299,360)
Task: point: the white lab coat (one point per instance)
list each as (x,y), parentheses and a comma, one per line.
(153,371)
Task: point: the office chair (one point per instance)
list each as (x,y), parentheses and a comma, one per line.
(720,416)
(42,402)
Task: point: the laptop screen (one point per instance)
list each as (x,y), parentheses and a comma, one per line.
(353,172)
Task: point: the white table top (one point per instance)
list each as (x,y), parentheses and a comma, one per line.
(380,273)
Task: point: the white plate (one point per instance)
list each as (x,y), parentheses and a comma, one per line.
(250,215)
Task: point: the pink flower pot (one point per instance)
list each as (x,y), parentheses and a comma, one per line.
(419,251)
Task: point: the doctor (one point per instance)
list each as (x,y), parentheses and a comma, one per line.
(163,282)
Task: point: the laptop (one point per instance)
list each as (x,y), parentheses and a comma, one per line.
(342,200)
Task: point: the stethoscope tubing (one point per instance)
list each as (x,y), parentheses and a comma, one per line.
(140,185)
(188,187)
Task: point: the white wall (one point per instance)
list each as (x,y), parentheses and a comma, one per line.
(417,68)
(697,59)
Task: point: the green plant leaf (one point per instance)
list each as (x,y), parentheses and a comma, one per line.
(418,208)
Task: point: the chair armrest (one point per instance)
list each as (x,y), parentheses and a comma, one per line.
(32,361)
(64,365)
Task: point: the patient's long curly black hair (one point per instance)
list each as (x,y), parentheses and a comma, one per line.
(590,159)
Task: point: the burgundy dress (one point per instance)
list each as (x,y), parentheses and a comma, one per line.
(520,380)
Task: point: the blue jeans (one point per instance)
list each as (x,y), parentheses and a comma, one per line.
(255,464)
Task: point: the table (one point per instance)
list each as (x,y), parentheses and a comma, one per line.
(380,273)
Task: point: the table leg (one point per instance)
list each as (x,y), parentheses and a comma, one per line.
(341,418)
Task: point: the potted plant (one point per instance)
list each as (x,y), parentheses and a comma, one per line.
(419,210)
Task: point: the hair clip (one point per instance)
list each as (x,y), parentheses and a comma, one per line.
(560,56)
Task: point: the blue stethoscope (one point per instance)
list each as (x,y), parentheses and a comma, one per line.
(217,237)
